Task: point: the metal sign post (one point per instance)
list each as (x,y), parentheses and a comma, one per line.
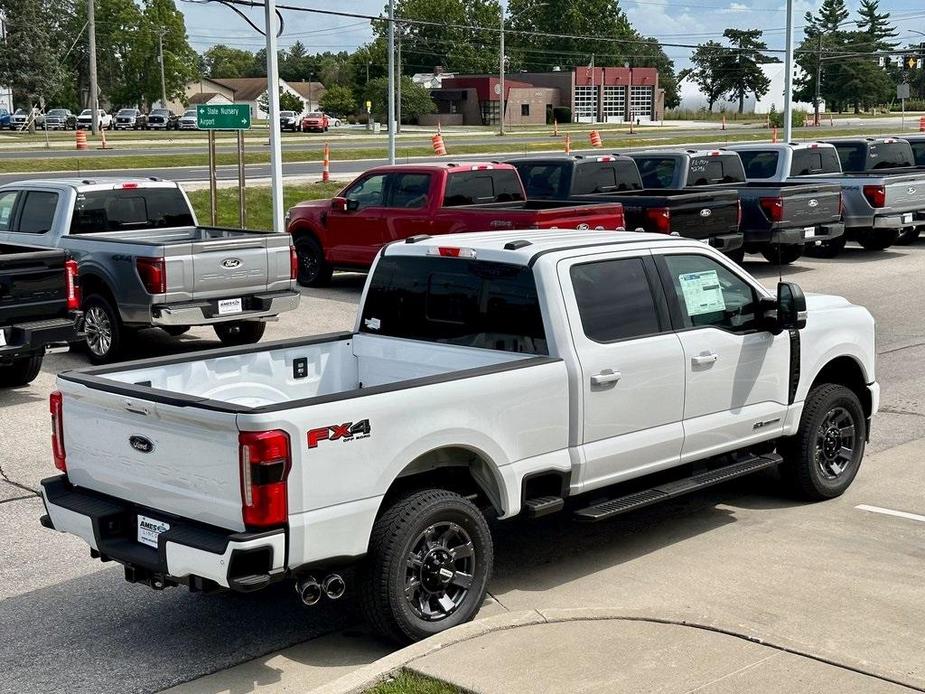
(236,117)
(902,93)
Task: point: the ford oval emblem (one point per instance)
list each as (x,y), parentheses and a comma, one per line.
(231,263)
(814,203)
(141,444)
(583,227)
(911,191)
(706,212)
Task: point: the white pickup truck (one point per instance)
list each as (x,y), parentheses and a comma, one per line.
(489,375)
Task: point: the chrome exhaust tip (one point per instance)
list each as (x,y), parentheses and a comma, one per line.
(309,591)
(334,586)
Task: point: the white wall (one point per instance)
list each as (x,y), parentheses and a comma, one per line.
(693,99)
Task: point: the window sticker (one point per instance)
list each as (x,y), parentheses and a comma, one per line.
(702,292)
(373,323)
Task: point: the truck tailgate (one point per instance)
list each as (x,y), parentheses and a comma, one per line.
(809,205)
(225,266)
(905,193)
(701,215)
(173,459)
(32,285)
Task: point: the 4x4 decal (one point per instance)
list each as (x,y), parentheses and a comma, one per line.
(349,431)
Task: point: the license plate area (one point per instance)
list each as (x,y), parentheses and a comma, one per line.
(809,232)
(148,530)
(907,218)
(227,307)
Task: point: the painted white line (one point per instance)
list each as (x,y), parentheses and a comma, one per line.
(891,512)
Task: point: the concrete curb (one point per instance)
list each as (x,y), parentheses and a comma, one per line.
(365,677)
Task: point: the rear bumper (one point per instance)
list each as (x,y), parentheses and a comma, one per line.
(189,553)
(727,242)
(25,339)
(206,312)
(796,235)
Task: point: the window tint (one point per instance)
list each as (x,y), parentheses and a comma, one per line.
(132,208)
(605,177)
(542,180)
(38,212)
(368,192)
(889,156)
(918,149)
(455,301)
(482,187)
(656,172)
(807,162)
(708,171)
(614,299)
(852,157)
(409,190)
(709,294)
(7,202)
(759,163)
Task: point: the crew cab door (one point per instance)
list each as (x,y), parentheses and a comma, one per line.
(631,379)
(356,234)
(737,374)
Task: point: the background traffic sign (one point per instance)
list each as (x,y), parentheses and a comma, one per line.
(223,116)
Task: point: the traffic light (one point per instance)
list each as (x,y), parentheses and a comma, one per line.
(911,62)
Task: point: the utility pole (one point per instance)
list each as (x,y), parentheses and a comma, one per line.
(818,96)
(398,84)
(788,76)
(160,48)
(94,90)
(276,151)
(391,66)
(501,67)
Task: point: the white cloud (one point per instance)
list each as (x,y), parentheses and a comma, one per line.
(736,7)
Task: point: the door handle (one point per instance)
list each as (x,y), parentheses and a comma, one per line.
(705,359)
(606,377)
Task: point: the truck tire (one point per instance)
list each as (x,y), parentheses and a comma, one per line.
(878,241)
(430,557)
(314,271)
(21,372)
(908,235)
(828,249)
(104,329)
(822,459)
(241,332)
(783,254)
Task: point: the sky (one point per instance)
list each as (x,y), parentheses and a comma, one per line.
(672,21)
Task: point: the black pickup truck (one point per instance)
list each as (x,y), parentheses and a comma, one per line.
(711,216)
(917,142)
(39,301)
(778,219)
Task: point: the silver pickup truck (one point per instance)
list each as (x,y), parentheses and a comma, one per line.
(143,261)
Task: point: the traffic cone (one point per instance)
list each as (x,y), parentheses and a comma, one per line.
(774,136)
(81,139)
(595,138)
(568,144)
(103,143)
(326,164)
(437,142)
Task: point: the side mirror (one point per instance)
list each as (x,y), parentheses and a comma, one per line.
(791,306)
(339,204)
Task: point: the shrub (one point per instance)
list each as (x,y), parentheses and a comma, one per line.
(797,119)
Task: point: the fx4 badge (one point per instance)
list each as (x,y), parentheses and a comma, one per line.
(349,431)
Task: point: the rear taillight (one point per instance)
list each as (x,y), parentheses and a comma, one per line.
(265,463)
(153,274)
(73,288)
(57,430)
(660,219)
(293,263)
(773,208)
(876,195)
(841,205)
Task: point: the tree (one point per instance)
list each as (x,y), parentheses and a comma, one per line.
(339,100)
(415,99)
(741,72)
(224,62)
(287,102)
(160,17)
(877,25)
(706,70)
(831,14)
(32,47)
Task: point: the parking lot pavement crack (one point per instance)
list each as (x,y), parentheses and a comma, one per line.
(733,673)
(25,488)
(495,598)
(17,498)
(894,410)
(900,349)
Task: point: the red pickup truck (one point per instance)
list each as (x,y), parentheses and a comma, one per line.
(390,203)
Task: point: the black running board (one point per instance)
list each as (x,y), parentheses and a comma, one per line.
(669,490)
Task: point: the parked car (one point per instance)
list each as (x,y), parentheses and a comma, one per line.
(85,120)
(163,119)
(5,117)
(315,122)
(39,303)
(917,142)
(60,119)
(390,203)
(131,119)
(21,118)
(505,375)
(778,218)
(877,205)
(189,120)
(709,216)
(144,262)
(288,120)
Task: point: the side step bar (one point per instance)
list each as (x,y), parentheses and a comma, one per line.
(669,490)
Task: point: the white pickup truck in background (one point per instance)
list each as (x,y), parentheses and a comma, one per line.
(489,375)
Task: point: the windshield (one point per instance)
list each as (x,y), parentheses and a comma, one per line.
(134,208)
(57,112)
(286,114)
(189,114)
(453,301)
(20,112)
(158,112)
(86,112)
(315,114)
(127,112)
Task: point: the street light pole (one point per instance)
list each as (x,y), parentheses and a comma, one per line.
(501,74)
(94,89)
(276,151)
(788,76)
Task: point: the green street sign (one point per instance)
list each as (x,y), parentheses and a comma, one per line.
(223,116)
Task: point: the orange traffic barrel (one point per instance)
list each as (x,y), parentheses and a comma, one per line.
(439,148)
(81,139)
(595,138)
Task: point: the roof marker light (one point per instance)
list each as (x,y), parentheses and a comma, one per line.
(451,252)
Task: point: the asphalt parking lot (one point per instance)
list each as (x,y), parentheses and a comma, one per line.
(845,582)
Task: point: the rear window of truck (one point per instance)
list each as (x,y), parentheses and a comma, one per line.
(657,172)
(605,177)
(816,160)
(722,168)
(759,163)
(918,149)
(130,208)
(889,156)
(482,187)
(471,303)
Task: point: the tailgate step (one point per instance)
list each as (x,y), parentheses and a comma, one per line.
(543,505)
(669,490)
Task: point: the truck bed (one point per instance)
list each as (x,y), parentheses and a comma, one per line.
(174,235)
